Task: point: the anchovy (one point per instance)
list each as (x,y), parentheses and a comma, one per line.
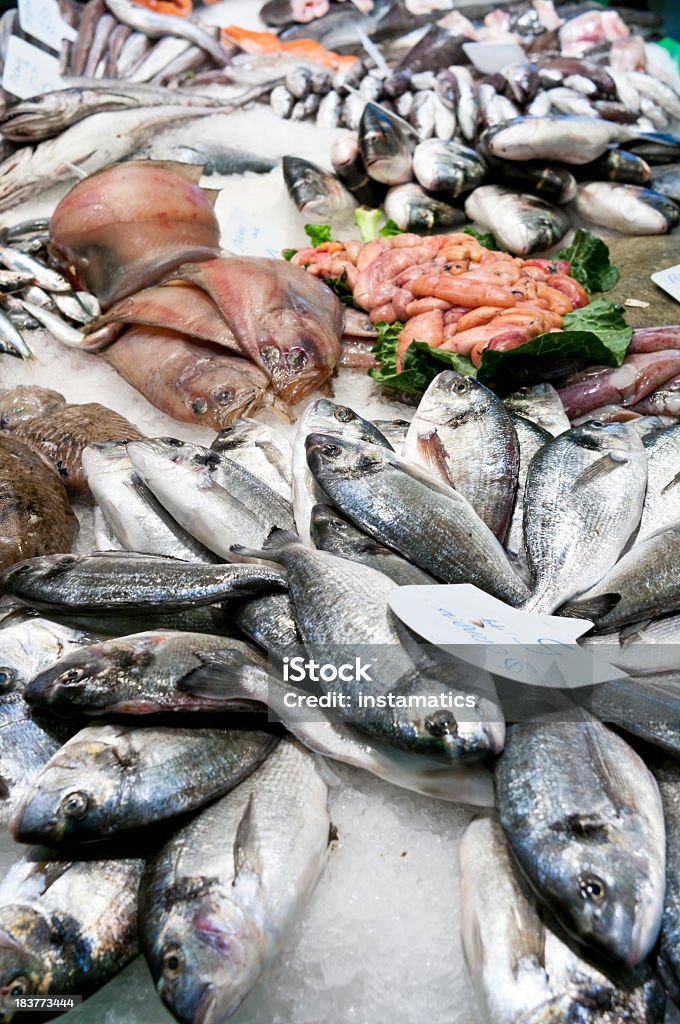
(156,26)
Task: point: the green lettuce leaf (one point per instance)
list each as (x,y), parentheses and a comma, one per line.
(389,228)
(318,233)
(484,238)
(288,254)
(590,266)
(342,289)
(421,362)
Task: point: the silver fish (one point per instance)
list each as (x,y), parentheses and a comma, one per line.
(28,742)
(264,452)
(530,437)
(522,223)
(462,433)
(569,139)
(137,519)
(648,707)
(331,418)
(27,646)
(11,340)
(412,511)
(213,498)
(422,114)
(156,26)
(583,817)
(521,969)
(444,166)
(642,585)
(317,193)
(385,145)
(394,431)
(662,497)
(124,581)
(413,209)
(281,101)
(654,89)
(218,901)
(641,649)
(542,405)
(583,500)
(467,109)
(668,961)
(630,209)
(270,622)
(109,778)
(56,326)
(666,180)
(158,57)
(45,278)
(328,114)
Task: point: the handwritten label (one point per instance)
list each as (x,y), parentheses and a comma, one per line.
(492,57)
(245,234)
(28,70)
(669,280)
(481,630)
(42,20)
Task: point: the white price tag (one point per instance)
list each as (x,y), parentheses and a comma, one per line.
(247,235)
(42,20)
(481,630)
(28,70)
(492,57)
(669,280)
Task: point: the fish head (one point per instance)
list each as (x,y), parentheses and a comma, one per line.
(22,973)
(81,680)
(170,459)
(26,402)
(452,399)
(330,531)
(614,439)
(104,457)
(37,579)
(207,956)
(329,417)
(332,457)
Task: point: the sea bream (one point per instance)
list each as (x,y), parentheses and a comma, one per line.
(521,222)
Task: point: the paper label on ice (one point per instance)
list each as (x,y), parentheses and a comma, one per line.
(669,280)
(28,70)
(247,235)
(492,57)
(540,650)
(42,20)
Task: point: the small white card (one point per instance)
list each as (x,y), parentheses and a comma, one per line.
(669,280)
(28,70)
(247,235)
(42,20)
(492,57)
(540,650)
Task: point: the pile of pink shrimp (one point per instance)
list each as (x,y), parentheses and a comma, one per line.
(449,291)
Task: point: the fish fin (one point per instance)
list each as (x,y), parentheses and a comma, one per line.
(591,608)
(662,138)
(211,195)
(221,677)
(247,860)
(671,483)
(277,539)
(629,634)
(607,464)
(433,452)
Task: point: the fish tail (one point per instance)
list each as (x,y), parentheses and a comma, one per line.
(662,138)
(276,540)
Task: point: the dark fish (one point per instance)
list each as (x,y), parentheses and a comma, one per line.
(318,194)
(385,146)
(617,165)
(556,184)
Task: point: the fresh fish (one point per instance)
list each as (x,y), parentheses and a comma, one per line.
(412,511)
(69,306)
(156,26)
(158,58)
(138,674)
(422,115)
(662,401)
(45,278)
(322,415)
(412,208)
(212,497)
(85,147)
(132,53)
(29,645)
(212,155)
(444,166)
(44,420)
(662,499)
(666,180)
(104,539)
(50,907)
(281,101)
(123,581)
(647,707)
(91,233)
(11,340)
(394,431)
(521,969)
(349,166)
(617,165)
(326,734)
(331,532)
(583,816)
(269,621)
(55,325)
(566,138)
(556,184)
(189,380)
(462,433)
(218,901)
(35,513)
(542,405)
(92,12)
(317,193)
(28,742)
(137,519)
(629,209)
(531,438)
(522,223)
(642,585)
(668,960)
(262,451)
(110,778)
(495,108)
(328,114)
(657,91)
(467,109)
(385,146)
(582,502)
(285,320)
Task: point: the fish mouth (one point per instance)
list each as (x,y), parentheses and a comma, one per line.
(204,1012)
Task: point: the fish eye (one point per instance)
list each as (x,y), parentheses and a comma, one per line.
(225,397)
(173,441)
(461,386)
(21,570)
(7,679)
(199,406)
(597,424)
(441,724)
(344,414)
(173,962)
(74,805)
(72,675)
(331,450)
(523,391)
(592,889)
(19,986)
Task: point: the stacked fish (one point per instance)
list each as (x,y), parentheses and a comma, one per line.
(503,495)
